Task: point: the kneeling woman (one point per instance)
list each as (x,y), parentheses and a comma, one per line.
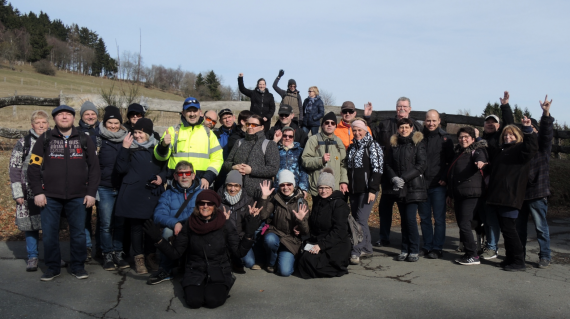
(328,224)
(206,238)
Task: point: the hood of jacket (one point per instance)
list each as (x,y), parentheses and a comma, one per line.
(415,138)
(472,147)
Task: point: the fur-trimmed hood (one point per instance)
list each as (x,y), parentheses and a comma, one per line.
(416,138)
(472,147)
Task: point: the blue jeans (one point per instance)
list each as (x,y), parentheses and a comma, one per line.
(385,208)
(536,208)
(32,243)
(490,219)
(256,251)
(410,234)
(280,254)
(110,226)
(166,263)
(313,129)
(434,237)
(51,214)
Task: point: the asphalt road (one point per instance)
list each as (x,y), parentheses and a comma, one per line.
(379,287)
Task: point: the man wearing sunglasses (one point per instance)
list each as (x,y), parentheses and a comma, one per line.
(184,188)
(286,119)
(210,119)
(193,142)
(344,130)
(291,96)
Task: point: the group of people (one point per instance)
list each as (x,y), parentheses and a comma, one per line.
(219,200)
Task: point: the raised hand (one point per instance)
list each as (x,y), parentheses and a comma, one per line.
(277,136)
(227,213)
(128,141)
(476,133)
(241,75)
(266,189)
(367,109)
(254,211)
(281,73)
(167,139)
(505,99)
(545,106)
(526,121)
(303,210)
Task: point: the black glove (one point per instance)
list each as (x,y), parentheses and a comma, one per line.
(157,191)
(281,73)
(153,231)
(251,225)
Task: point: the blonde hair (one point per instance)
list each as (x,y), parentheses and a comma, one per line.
(513,129)
(314,88)
(39,114)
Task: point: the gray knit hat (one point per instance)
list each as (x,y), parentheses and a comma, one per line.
(326,178)
(234,177)
(88,106)
(286,176)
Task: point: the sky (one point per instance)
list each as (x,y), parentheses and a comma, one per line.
(446,55)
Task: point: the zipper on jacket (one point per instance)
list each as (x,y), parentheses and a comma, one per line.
(65,150)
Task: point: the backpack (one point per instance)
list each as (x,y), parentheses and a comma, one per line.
(263,144)
(354,229)
(27,146)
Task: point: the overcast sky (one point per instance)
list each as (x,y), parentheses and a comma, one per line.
(447,55)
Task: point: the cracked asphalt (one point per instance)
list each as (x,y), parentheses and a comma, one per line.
(379,287)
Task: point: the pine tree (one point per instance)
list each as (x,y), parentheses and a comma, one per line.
(213,84)
(527,113)
(200,81)
(492,109)
(40,48)
(518,114)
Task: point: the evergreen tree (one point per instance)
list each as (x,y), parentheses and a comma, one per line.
(213,84)
(492,109)
(518,114)
(200,81)
(100,58)
(40,48)
(58,30)
(527,113)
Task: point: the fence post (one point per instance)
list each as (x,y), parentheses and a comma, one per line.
(14,112)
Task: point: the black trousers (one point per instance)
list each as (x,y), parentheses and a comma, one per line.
(465,208)
(513,247)
(206,295)
(140,242)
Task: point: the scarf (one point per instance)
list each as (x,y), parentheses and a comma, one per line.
(309,107)
(87,126)
(356,154)
(115,137)
(148,144)
(232,200)
(201,226)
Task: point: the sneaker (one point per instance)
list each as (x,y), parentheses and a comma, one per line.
(402,256)
(32,264)
(488,253)
(119,261)
(382,243)
(515,267)
(366,255)
(468,261)
(423,252)
(89,256)
(48,276)
(151,261)
(270,269)
(435,254)
(354,260)
(108,263)
(413,257)
(256,267)
(158,277)
(80,274)
(543,263)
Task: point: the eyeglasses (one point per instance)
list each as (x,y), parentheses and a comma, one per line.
(180,174)
(209,204)
(252,125)
(311,91)
(292,86)
(347,111)
(211,121)
(287,136)
(323,188)
(286,184)
(331,123)
(139,115)
(233,185)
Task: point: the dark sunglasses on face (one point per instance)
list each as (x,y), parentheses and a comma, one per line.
(347,111)
(211,121)
(252,125)
(180,174)
(287,136)
(286,184)
(330,123)
(209,204)
(139,115)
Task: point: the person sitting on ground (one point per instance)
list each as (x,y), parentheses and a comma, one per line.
(206,238)
(329,233)
(210,119)
(466,186)
(288,213)
(184,189)
(28,219)
(262,102)
(286,116)
(290,97)
(141,187)
(290,159)
(314,110)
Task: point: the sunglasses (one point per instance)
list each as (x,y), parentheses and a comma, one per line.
(211,121)
(180,174)
(311,91)
(252,125)
(287,136)
(348,111)
(286,184)
(209,204)
(139,115)
(331,123)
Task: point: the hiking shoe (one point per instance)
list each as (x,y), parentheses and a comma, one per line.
(151,261)
(89,256)
(366,255)
(140,265)
(48,276)
(382,243)
(423,252)
(80,274)
(468,260)
(256,267)
(354,260)
(402,256)
(108,263)
(32,264)
(488,253)
(413,257)
(158,277)
(543,263)
(435,254)
(270,269)
(119,261)
(515,267)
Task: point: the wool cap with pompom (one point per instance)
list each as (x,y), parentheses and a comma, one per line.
(326,178)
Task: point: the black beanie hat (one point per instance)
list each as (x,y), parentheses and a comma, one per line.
(291,82)
(136,108)
(329,116)
(144,125)
(112,112)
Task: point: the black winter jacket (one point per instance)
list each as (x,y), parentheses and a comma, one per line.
(439,150)
(387,128)
(300,135)
(317,112)
(538,175)
(239,211)
(494,147)
(107,157)
(65,171)
(291,98)
(236,135)
(262,104)
(214,246)
(129,128)
(465,180)
(91,130)
(137,166)
(509,173)
(406,158)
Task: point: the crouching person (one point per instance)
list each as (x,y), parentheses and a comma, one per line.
(206,237)
(287,214)
(173,209)
(328,224)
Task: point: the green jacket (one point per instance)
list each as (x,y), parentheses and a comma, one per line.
(312,159)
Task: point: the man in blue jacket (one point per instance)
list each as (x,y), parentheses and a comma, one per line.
(183,187)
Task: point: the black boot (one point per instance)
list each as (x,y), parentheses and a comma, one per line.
(119,261)
(108,263)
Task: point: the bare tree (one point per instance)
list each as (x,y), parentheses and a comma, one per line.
(327,97)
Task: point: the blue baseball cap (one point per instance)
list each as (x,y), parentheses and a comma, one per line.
(62,108)
(191,102)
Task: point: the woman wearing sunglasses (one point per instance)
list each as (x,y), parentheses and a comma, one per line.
(262,102)
(255,157)
(141,187)
(290,159)
(314,110)
(206,237)
(287,215)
